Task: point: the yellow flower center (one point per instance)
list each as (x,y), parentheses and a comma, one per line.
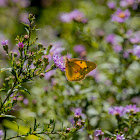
(122,15)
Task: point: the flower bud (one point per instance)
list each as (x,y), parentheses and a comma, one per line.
(78,125)
(76,117)
(5,47)
(31,16)
(39,61)
(18,64)
(40,46)
(26,37)
(42,75)
(82,122)
(10,54)
(67,130)
(15,54)
(30,61)
(20,45)
(46,59)
(15,98)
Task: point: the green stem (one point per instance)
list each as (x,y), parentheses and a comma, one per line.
(9,93)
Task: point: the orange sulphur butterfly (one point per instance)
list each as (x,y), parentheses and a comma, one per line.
(76,69)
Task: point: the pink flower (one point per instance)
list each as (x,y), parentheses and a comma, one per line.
(20,45)
(111,4)
(98,133)
(73,15)
(132,108)
(120,15)
(4,42)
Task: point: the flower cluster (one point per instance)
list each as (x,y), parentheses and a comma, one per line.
(55,49)
(120,110)
(136,50)
(59,62)
(78,119)
(75,15)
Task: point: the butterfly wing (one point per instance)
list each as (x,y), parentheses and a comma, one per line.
(87,66)
(74,72)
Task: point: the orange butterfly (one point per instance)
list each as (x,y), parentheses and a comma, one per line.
(76,69)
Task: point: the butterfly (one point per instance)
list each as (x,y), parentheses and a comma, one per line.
(76,69)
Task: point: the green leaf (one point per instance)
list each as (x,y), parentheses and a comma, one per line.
(109,133)
(35,124)
(49,47)
(24,89)
(25,24)
(7,116)
(2,89)
(27,30)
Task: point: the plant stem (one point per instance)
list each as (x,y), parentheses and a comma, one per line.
(9,93)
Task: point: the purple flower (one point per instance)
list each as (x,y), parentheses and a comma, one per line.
(125,3)
(117,110)
(127,52)
(111,39)
(56,49)
(95,74)
(129,33)
(66,17)
(20,45)
(132,108)
(25,101)
(78,16)
(72,121)
(2,3)
(4,42)
(73,15)
(49,74)
(117,48)
(136,50)
(135,38)
(107,139)
(78,111)
(22,3)
(1,133)
(136,100)
(59,62)
(23,17)
(120,15)
(118,137)
(111,4)
(98,133)
(79,48)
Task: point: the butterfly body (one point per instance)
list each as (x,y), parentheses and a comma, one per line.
(76,69)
